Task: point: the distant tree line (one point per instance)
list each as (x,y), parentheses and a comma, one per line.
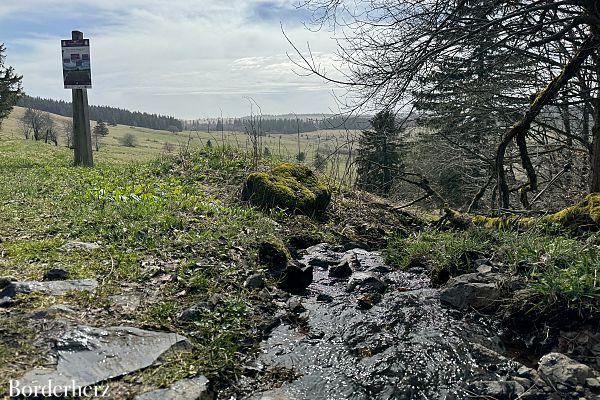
(280,125)
(110,115)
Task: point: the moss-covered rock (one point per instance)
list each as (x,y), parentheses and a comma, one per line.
(273,253)
(290,186)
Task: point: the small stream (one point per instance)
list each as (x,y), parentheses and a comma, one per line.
(407,346)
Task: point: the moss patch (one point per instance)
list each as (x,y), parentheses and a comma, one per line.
(289,186)
(583,216)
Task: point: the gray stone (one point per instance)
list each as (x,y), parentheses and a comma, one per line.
(559,369)
(498,390)
(78,246)
(322,255)
(368,282)
(53,288)
(89,355)
(344,268)
(478,291)
(187,389)
(255,281)
(593,384)
(484,269)
(194,312)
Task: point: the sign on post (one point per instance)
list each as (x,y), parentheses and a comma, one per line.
(77,69)
(77,75)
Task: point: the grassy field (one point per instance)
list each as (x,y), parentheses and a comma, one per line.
(152,143)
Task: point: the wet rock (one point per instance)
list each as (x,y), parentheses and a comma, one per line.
(322,255)
(78,246)
(296,277)
(478,291)
(56,274)
(344,268)
(89,355)
(187,389)
(294,304)
(324,298)
(53,288)
(366,282)
(255,281)
(559,369)
(502,390)
(368,300)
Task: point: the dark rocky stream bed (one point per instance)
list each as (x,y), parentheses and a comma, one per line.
(370,332)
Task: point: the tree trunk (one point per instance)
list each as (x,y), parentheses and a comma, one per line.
(595,159)
(520,129)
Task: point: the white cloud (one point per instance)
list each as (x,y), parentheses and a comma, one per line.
(181,57)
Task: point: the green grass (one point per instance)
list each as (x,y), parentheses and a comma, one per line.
(164,211)
(558,270)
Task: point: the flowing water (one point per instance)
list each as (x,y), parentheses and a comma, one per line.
(407,346)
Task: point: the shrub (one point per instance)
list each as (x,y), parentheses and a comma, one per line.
(128,140)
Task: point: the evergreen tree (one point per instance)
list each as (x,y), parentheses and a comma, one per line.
(101,129)
(10,87)
(379,159)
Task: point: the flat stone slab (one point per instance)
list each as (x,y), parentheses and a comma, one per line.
(54,288)
(187,389)
(88,355)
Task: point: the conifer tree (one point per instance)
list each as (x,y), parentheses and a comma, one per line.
(10,87)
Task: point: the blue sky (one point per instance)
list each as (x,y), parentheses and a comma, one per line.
(188,58)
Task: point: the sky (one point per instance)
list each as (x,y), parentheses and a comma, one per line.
(186,58)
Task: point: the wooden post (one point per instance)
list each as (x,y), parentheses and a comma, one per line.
(82,132)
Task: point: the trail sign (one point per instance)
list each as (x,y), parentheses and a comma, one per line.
(77,75)
(77,71)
